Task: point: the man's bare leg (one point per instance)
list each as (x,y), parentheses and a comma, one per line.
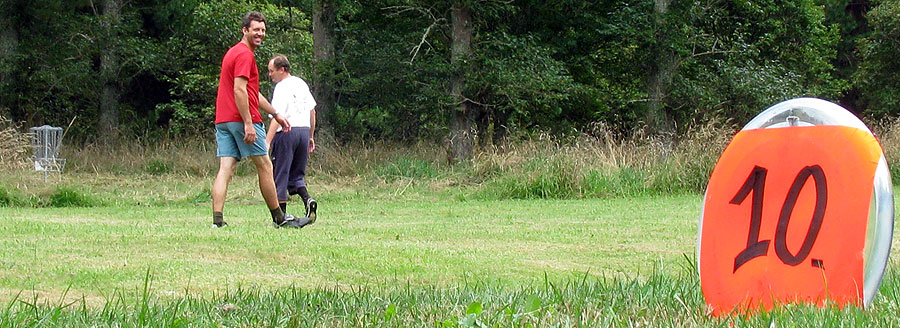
(220,185)
(266,180)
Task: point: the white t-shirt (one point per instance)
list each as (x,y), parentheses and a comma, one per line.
(293,100)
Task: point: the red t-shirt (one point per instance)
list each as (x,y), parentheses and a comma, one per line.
(238,61)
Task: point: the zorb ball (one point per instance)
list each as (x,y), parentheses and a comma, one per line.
(799,209)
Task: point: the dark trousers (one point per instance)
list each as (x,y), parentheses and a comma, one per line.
(290,153)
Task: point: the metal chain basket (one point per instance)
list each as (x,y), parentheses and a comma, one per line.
(46,141)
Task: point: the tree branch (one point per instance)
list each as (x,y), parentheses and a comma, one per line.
(415,50)
(427,12)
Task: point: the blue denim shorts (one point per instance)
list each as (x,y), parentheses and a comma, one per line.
(230,141)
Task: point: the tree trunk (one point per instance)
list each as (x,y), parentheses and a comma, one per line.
(660,76)
(109,67)
(323,17)
(9,48)
(462,125)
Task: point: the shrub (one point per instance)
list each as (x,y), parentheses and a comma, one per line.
(618,183)
(158,167)
(5,198)
(69,197)
(601,165)
(200,197)
(406,166)
(688,166)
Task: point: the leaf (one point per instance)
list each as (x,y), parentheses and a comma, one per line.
(390,312)
(468,321)
(474,308)
(532,303)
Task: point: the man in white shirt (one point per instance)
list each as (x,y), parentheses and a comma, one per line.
(290,150)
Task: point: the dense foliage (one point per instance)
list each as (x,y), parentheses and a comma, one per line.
(559,66)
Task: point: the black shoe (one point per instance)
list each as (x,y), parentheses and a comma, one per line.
(311,206)
(219,224)
(296,223)
(278,224)
(291,222)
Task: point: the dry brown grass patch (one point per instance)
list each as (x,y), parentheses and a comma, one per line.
(15,145)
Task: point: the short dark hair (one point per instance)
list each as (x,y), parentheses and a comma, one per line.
(251,17)
(280,61)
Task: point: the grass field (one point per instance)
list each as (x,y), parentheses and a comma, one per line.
(404,254)
(590,231)
(431,241)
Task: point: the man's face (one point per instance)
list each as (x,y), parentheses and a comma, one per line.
(255,33)
(276,74)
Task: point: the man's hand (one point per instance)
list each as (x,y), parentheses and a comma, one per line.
(312,145)
(285,125)
(249,133)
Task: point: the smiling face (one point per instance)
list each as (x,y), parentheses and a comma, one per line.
(254,34)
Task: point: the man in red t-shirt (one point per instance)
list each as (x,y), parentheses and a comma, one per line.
(239,128)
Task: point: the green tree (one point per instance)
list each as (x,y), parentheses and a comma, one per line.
(462,121)
(738,58)
(324,14)
(849,17)
(9,53)
(195,52)
(398,68)
(70,63)
(880,53)
(109,76)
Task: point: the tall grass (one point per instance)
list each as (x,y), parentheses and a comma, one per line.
(663,299)
(192,156)
(15,145)
(888,134)
(599,163)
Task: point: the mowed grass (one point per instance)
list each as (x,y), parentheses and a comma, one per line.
(439,242)
(513,240)
(380,258)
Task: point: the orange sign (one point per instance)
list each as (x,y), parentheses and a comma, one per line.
(785,216)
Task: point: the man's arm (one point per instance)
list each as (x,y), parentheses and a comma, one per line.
(242,100)
(312,130)
(268,108)
(270,134)
(265,105)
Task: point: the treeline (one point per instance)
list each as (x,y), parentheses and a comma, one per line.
(464,71)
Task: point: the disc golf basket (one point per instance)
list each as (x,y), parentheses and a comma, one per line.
(46,140)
